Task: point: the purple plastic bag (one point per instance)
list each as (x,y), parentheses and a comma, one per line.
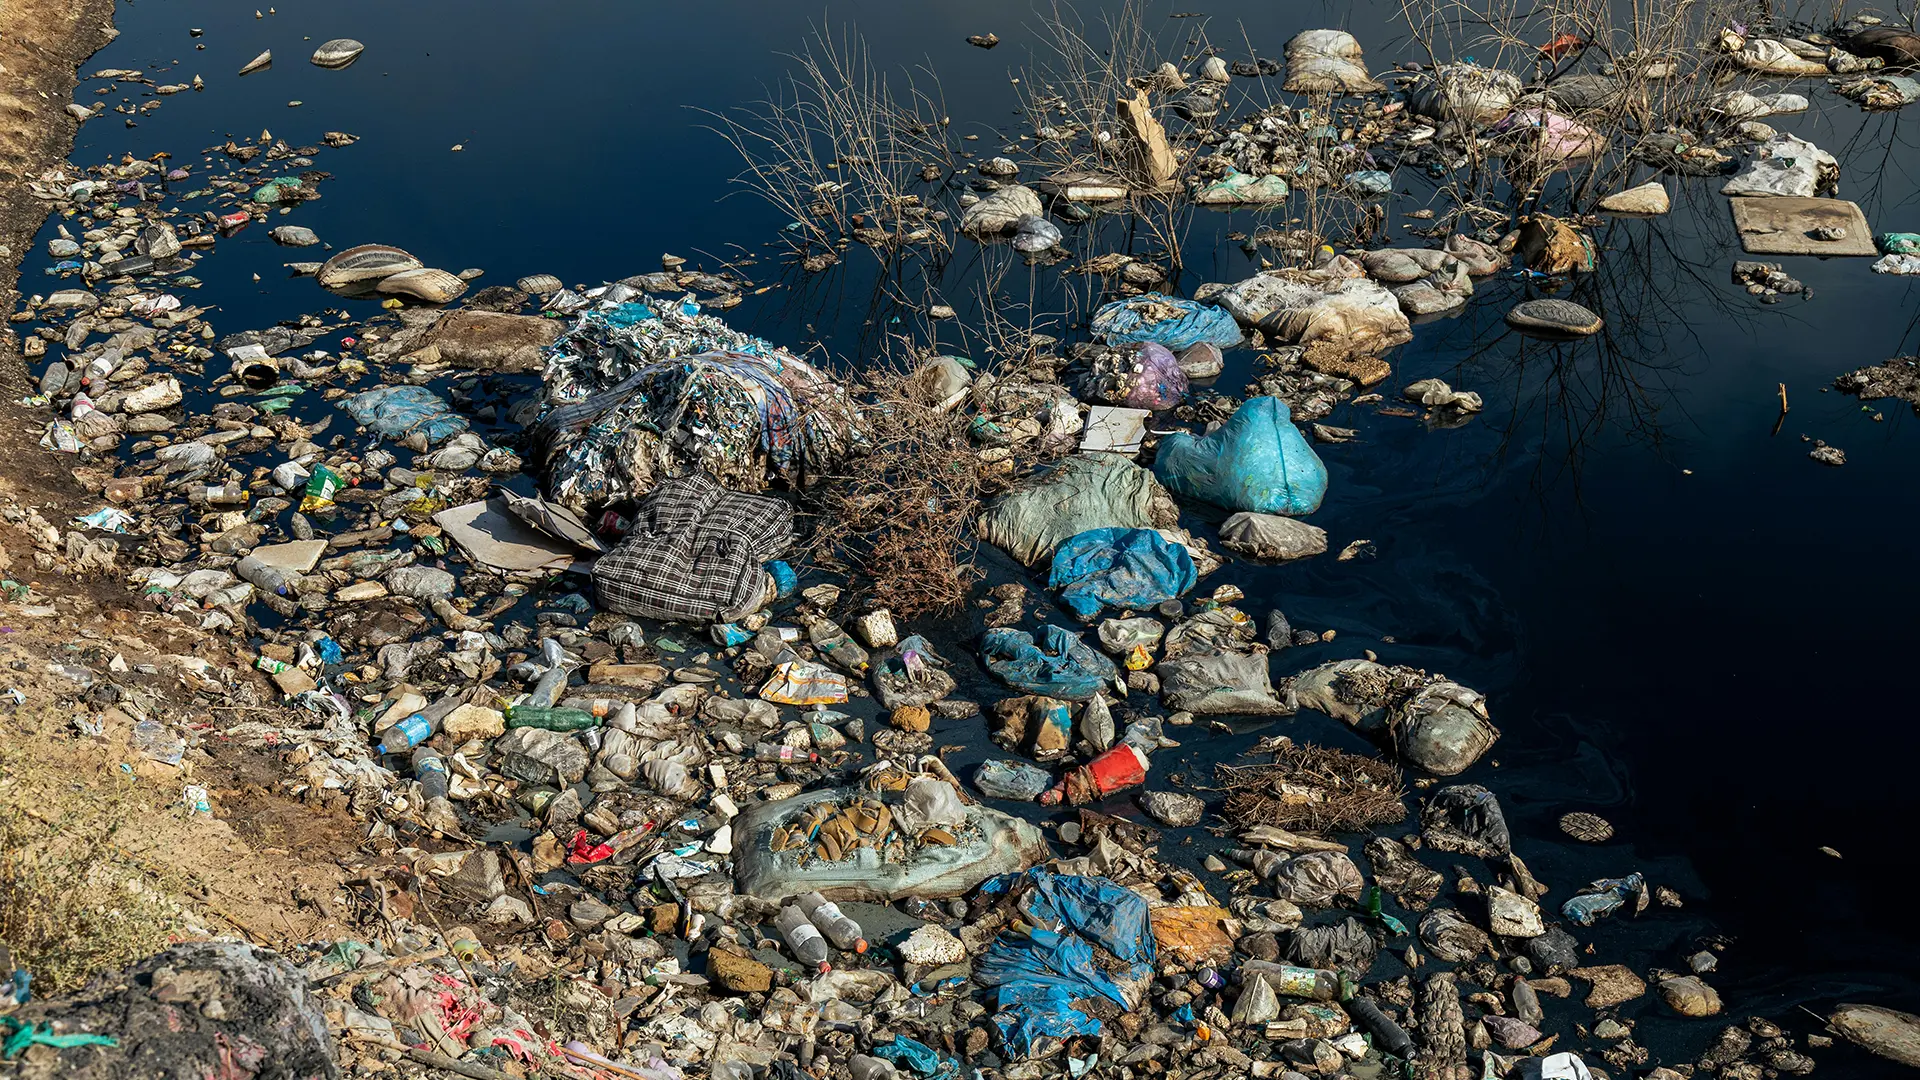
(1142,376)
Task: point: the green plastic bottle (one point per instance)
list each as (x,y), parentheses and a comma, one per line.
(551,718)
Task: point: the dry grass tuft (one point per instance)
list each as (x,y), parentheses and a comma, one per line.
(71,903)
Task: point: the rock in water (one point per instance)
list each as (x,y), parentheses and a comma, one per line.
(1648,198)
(338,53)
(1887,1032)
(1556,316)
(738,973)
(264,60)
(367,262)
(1270,536)
(1688,996)
(1000,212)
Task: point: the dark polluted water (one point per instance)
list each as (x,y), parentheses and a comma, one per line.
(1681,622)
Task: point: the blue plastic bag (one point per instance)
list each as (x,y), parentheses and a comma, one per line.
(1129,320)
(915,1055)
(1063,667)
(1120,568)
(399,411)
(1042,971)
(1256,461)
(1011,780)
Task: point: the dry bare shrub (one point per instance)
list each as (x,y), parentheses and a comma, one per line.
(838,147)
(898,516)
(72,903)
(1314,787)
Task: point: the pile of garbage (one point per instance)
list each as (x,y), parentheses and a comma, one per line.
(648,795)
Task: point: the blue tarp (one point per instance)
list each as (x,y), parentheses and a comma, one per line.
(1063,666)
(1256,461)
(1042,971)
(399,411)
(1124,320)
(1120,568)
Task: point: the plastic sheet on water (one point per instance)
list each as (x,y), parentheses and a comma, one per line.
(1060,666)
(398,412)
(1257,461)
(1040,973)
(1168,320)
(1119,568)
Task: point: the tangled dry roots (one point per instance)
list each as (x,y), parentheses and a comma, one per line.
(898,516)
(1316,788)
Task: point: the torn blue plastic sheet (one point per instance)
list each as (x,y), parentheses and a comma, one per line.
(399,411)
(1061,666)
(1043,970)
(918,1056)
(1603,898)
(1146,318)
(1119,568)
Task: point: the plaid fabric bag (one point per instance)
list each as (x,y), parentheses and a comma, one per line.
(696,553)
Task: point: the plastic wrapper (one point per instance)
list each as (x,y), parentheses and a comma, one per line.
(800,682)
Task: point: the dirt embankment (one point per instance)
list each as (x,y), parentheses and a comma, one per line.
(82,657)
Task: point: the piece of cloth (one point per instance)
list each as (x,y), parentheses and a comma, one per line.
(697,553)
(1168,320)
(1119,568)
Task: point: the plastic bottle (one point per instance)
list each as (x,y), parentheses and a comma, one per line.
(866,1067)
(419,727)
(267,579)
(837,925)
(1316,984)
(430,768)
(1387,1035)
(838,647)
(547,691)
(1265,863)
(767,751)
(803,940)
(550,719)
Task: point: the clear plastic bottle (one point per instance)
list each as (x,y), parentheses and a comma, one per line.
(803,940)
(767,751)
(266,578)
(1316,984)
(837,925)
